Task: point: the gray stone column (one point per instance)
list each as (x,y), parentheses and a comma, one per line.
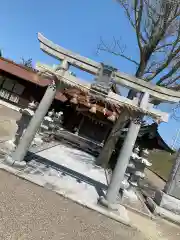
(122,163)
(167,201)
(124,157)
(17,158)
(27,138)
(172,186)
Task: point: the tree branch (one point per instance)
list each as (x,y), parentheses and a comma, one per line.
(163,46)
(165,64)
(138,17)
(170,73)
(171,81)
(124,4)
(104,47)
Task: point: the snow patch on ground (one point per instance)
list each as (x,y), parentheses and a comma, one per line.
(76,160)
(131,195)
(81,181)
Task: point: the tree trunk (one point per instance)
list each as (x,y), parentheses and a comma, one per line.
(104,156)
(139,73)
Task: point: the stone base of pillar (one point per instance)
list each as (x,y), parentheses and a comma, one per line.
(103,202)
(168,202)
(9,161)
(111,206)
(165,206)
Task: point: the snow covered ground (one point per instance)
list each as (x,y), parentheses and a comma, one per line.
(73,174)
(69,171)
(76,160)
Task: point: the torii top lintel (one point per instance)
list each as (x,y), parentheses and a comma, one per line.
(88,65)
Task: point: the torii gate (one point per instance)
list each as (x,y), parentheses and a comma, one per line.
(60,76)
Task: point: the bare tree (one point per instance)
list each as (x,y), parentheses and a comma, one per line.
(27,63)
(157,27)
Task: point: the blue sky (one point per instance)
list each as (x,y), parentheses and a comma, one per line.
(74,24)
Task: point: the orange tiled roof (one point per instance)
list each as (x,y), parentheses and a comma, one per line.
(82,99)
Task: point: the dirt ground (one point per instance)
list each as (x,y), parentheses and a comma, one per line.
(157,229)
(31,212)
(7,113)
(28,211)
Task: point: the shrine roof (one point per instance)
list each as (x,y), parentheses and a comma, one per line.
(27,74)
(86,100)
(150,135)
(150,138)
(22,72)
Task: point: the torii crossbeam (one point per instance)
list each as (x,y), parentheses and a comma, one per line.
(88,65)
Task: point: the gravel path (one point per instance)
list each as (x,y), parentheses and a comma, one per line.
(31,212)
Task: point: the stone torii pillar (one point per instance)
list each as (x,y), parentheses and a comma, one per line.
(123,159)
(17,158)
